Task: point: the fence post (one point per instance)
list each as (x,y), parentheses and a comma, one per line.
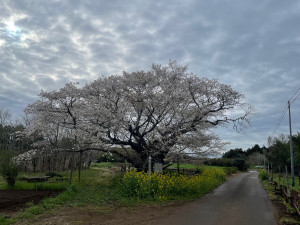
(299,174)
(279,175)
(272,171)
(287,181)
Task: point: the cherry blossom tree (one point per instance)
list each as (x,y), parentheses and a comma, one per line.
(150,112)
(141,114)
(56,117)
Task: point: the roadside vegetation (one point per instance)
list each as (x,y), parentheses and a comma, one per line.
(286,213)
(103,185)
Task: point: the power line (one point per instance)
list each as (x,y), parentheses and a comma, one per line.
(281,118)
(295,98)
(294,94)
(291,100)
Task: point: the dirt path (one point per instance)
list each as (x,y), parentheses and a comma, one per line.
(242,200)
(12,200)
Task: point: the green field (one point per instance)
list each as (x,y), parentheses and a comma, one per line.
(184,166)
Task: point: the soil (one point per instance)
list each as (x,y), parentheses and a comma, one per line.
(14,200)
(109,215)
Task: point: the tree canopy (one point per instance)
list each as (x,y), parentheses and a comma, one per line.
(139,114)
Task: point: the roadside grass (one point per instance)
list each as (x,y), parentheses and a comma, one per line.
(6,221)
(102,186)
(285,214)
(284,180)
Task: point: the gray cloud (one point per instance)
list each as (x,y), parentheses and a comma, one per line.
(251,45)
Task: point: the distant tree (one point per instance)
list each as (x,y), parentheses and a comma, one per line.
(255,159)
(5,117)
(234,154)
(254,149)
(278,153)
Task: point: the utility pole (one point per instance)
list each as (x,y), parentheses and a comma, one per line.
(291,147)
(264,158)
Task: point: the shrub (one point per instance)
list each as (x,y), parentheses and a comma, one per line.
(219,162)
(199,169)
(8,168)
(230,170)
(240,164)
(263,175)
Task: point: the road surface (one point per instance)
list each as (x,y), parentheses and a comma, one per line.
(241,200)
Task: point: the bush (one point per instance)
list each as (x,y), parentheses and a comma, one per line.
(163,186)
(8,168)
(240,164)
(219,162)
(230,170)
(263,175)
(199,169)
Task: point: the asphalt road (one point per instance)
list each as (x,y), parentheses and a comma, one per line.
(241,200)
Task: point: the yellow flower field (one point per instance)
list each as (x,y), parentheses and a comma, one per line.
(163,186)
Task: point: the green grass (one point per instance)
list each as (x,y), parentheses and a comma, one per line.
(184,166)
(6,221)
(51,184)
(99,186)
(95,188)
(283,180)
(103,164)
(287,215)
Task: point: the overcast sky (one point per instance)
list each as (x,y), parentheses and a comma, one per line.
(252,45)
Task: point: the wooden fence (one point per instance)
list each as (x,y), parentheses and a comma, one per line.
(291,196)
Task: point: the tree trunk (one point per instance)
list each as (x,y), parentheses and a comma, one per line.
(178,171)
(72,166)
(80,165)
